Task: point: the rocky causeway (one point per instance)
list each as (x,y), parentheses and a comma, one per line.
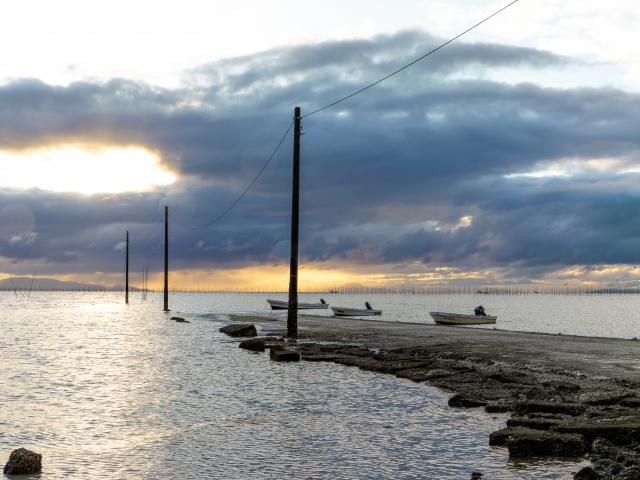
(568,396)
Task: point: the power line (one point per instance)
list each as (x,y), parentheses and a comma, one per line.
(343,99)
(246,190)
(395,72)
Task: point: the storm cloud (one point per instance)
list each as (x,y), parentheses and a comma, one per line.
(437,165)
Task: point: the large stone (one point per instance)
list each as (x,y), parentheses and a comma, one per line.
(605,398)
(630,473)
(586,473)
(573,409)
(23,461)
(501,437)
(534,423)
(540,443)
(463,400)
(179,320)
(631,402)
(499,406)
(281,354)
(526,442)
(260,344)
(620,433)
(240,330)
(253,345)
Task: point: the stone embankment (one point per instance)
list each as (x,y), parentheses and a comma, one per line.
(568,396)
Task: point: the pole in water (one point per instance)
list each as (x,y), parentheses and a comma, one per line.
(166,259)
(126,273)
(292,314)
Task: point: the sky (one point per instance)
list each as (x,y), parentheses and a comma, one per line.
(511,156)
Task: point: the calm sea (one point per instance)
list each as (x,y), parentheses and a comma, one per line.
(107,390)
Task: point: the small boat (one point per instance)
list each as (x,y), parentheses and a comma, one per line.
(443,318)
(283,305)
(356,312)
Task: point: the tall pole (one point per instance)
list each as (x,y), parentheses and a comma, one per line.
(292,316)
(166,259)
(126,271)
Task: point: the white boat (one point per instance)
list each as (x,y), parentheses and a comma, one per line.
(282,305)
(443,318)
(356,312)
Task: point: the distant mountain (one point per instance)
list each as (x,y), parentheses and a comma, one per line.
(39,283)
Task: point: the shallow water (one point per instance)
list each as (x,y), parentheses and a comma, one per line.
(586,315)
(103,389)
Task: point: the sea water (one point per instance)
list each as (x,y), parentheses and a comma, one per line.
(102,389)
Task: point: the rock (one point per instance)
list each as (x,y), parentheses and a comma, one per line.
(462,400)
(534,423)
(573,409)
(23,461)
(539,443)
(621,433)
(630,473)
(586,473)
(605,398)
(603,448)
(476,476)
(499,406)
(179,320)
(500,437)
(254,345)
(240,330)
(260,344)
(631,402)
(438,373)
(282,354)
(526,442)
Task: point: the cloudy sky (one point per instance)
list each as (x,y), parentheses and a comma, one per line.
(512,155)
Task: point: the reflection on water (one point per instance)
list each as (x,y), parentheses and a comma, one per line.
(101,389)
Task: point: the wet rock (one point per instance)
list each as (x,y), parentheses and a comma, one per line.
(23,461)
(260,344)
(319,357)
(617,433)
(539,443)
(499,406)
(463,400)
(500,437)
(253,345)
(561,386)
(603,448)
(179,320)
(438,373)
(505,377)
(240,330)
(605,398)
(573,409)
(415,375)
(282,354)
(476,476)
(630,473)
(534,423)
(586,473)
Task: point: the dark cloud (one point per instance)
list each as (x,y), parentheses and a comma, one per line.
(386,177)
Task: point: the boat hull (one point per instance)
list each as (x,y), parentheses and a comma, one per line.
(443,318)
(281,305)
(354,312)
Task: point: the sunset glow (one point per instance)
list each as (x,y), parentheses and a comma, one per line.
(83,169)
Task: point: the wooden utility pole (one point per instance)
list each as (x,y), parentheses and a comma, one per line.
(166,259)
(292,316)
(126,270)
